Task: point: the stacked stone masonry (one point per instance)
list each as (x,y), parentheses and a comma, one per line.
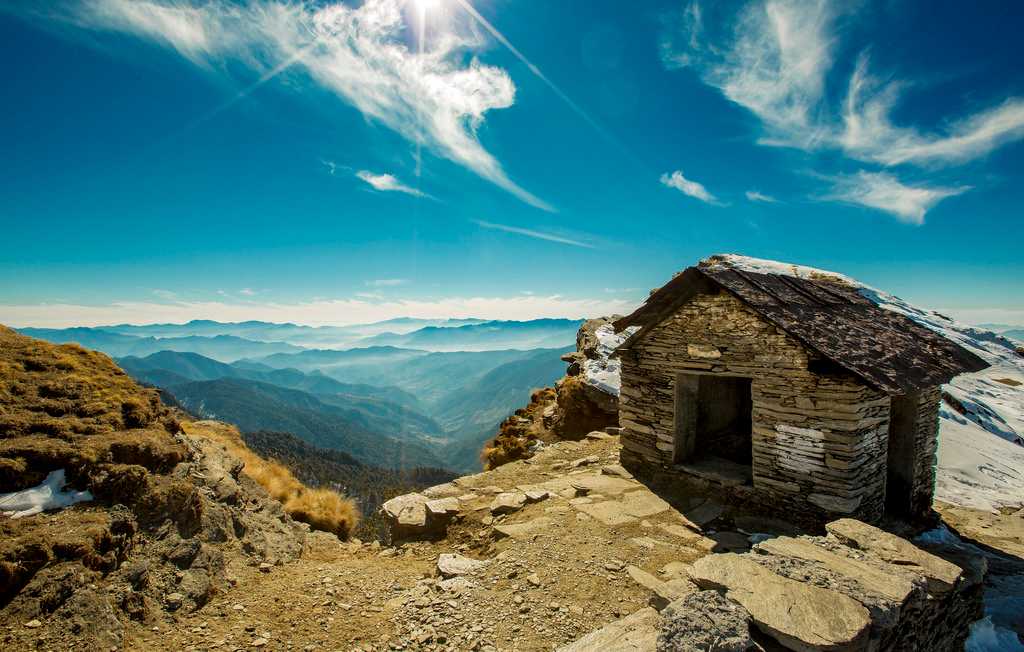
(819,435)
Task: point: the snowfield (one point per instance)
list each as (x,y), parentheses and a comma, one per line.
(981,421)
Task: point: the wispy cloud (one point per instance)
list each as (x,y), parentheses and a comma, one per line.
(331,166)
(248,292)
(687,187)
(775,63)
(869,133)
(387,282)
(530,233)
(773,58)
(431,95)
(315,313)
(885,192)
(755,195)
(389,183)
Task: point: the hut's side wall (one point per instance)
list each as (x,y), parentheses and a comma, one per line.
(819,442)
(926,449)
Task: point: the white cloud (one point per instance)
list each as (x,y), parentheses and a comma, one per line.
(755,195)
(389,183)
(530,233)
(433,97)
(775,63)
(315,313)
(885,192)
(166,295)
(387,282)
(249,292)
(869,134)
(687,187)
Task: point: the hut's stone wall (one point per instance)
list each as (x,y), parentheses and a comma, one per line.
(819,441)
(926,446)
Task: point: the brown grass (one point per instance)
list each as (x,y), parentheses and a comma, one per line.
(322,509)
(1008,381)
(515,436)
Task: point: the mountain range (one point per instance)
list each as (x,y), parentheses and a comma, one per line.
(402,408)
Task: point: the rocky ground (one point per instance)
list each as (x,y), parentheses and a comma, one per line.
(594,549)
(542,553)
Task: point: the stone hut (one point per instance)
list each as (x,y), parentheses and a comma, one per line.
(792,390)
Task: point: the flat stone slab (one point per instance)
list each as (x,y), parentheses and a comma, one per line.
(607,485)
(871,578)
(684,533)
(525,530)
(643,503)
(704,513)
(444,506)
(507,502)
(942,576)
(617,470)
(800,616)
(637,632)
(609,512)
(716,469)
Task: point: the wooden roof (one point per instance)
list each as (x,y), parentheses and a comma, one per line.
(886,349)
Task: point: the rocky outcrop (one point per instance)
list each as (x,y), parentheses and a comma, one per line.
(857,589)
(168,513)
(588,397)
(423,515)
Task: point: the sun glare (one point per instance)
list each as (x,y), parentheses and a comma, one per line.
(426,5)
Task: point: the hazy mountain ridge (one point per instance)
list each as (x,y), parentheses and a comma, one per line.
(235,340)
(253,405)
(224,348)
(452,402)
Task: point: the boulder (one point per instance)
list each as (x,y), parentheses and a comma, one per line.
(455,565)
(889,585)
(942,576)
(800,616)
(415,516)
(705,621)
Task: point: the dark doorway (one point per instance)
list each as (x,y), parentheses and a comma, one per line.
(899,480)
(713,418)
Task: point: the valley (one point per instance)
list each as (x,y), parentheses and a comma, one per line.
(404,393)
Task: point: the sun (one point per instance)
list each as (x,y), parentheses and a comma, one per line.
(426,5)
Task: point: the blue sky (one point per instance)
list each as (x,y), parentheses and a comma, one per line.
(345,162)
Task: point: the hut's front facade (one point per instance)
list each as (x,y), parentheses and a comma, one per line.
(798,393)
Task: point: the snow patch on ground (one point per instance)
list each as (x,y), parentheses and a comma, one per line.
(1004,601)
(46,496)
(602,372)
(981,422)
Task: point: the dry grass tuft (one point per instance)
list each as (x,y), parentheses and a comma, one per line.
(517,433)
(322,509)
